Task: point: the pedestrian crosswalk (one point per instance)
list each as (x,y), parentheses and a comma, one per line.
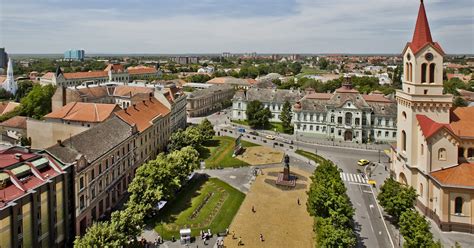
(353,178)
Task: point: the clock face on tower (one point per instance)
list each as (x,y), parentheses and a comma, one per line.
(429,56)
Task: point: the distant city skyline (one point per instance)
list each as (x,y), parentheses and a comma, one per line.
(215,26)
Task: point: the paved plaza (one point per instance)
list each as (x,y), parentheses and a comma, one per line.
(261,155)
(277,216)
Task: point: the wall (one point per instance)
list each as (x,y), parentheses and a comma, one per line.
(45,134)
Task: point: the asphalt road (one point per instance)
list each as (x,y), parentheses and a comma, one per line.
(370,228)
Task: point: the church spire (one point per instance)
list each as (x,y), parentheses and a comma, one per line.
(10,84)
(422,33)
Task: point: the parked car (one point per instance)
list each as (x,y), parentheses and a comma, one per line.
(363,162)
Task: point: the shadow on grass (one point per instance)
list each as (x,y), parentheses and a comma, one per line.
(180,202)
(272,182)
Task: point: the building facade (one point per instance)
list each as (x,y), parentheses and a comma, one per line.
(345,115)
(3,58)
(435,147)
(207,101)
(36,200)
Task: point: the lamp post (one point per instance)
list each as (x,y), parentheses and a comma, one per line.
(379,156)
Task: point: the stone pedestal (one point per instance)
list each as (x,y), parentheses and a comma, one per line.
(286,174)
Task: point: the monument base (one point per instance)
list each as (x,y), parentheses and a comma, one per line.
(290,182)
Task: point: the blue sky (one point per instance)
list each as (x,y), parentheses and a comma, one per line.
(215,26)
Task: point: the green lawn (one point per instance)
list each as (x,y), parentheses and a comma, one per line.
(310,71)
(217,153)
(273,125)
(318,159)
(223,202)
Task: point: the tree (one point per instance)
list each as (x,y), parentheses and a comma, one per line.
(285,117)
(329,235)
(101,234)
(129,221)
(459,102)
(5,95)
(183,162)
(24,87)
(323,63)
(206,128)
(451,86)
(415,230)
(257,115)
(296,68)
(396,198)
(38,101)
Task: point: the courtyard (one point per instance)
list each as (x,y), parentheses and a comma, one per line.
(205,203)
(277,216)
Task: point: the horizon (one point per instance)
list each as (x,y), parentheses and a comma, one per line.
(213,27)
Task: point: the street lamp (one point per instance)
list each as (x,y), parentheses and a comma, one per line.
(379,156)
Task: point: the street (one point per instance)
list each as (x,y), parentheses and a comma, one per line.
(371,229)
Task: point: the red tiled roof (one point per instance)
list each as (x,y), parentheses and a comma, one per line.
(114,67)
(141,70)
(84,111)
(459,175)
(376,98)
(6,107)
(48,75)
(142,114)
(346,89)
(462,121)
(125,90)
(422,34)
(15,122)
(430,127)
(251,80)
(88,74)
(325,96)
(7,157)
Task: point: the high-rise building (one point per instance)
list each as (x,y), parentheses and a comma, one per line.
(3,58)
(435,150)
(74,55)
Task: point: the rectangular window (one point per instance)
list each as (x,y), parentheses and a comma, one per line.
(386,133)
(81,183)
(387,122)
(82,204)
(339,132)
(92,174)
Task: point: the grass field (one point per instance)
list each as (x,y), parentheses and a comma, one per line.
(272,126)
(318,159)
(217,153)
(205,203)
(310,71)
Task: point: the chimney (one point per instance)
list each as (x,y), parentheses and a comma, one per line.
(28,149)
(18,156)
(60,142)
(63,95)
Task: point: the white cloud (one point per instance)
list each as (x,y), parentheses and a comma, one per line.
(372,26)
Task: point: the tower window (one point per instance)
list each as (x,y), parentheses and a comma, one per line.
(423,72)
(410,72)
(404,141)
(425,92)
(458,205)
(442,154)
(432,72)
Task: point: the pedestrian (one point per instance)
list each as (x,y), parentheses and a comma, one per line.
(156,243)
(233,234)
(261,238)
(299,201)
(253,209)
(239,243)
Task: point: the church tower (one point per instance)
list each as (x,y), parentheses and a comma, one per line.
(10,84)
(422,90)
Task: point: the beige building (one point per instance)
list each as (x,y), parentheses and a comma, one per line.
(65,122)
(435,143)
(206,101)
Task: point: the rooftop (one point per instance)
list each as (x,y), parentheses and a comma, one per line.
(84,112)
(143,113)
(459,175)
(15,122)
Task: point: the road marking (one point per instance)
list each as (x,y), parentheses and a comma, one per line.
(353,178)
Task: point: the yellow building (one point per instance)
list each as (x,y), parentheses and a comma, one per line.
(435,143)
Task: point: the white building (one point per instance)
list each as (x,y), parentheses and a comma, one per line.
(9,84)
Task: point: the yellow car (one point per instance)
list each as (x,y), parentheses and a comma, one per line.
(271,137)
(363,162)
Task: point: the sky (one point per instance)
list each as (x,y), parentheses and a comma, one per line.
(236,26)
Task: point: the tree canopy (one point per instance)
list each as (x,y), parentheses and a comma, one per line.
(285,117)
(257,115)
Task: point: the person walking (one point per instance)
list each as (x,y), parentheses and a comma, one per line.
(253,209)
(298,201)
(261,238)
(239,243)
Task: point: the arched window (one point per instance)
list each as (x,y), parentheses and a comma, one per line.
(432,72)
(422,148)
(404,115)
(332,118)
(458,205)
(410,67)
(348,118)
(423,72)
(404,141)
(406,71)
(421,190)
(442,154)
